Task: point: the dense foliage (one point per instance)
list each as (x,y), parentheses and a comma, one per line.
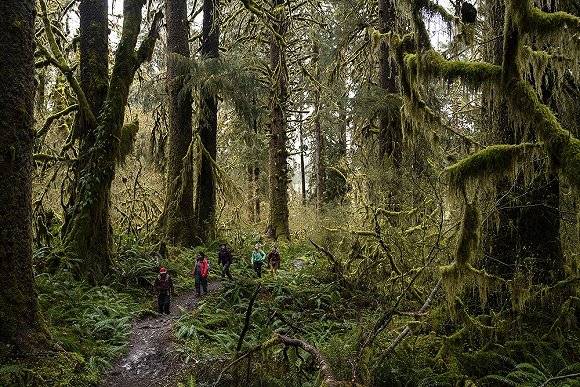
(416,162)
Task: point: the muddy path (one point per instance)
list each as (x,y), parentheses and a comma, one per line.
(151,359)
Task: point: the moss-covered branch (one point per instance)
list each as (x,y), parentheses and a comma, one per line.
(437,9)
(493,160)
(561,146)
(46,126)
(472,73)
(58,59)
(537,21)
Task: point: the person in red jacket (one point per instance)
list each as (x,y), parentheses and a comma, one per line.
(200,273)
(164,289)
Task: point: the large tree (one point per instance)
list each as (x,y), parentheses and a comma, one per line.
(179,214)
(390,130)
(319,135)
(526,234)
(205,193)
(94,81)
(20,323)
(277,150)
(88,232)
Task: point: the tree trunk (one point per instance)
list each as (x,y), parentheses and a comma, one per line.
(205,192)
(319,150)
(302,163)
(253,171)
(178,213)
(527,233)
(89,234)
(20,323)
(94,81)
(390,130)
(277,152)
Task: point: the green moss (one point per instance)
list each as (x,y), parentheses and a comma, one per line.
(548,22)
(127,140)
(561,146)
(469,237)
(495,160)
(471,73)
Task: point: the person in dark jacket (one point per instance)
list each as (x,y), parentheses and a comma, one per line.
(225,259)
(200,273)
(164,288)
(274,260)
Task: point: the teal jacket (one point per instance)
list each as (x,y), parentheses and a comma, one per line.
(258,256)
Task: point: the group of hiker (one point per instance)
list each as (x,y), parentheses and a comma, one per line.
(164,284)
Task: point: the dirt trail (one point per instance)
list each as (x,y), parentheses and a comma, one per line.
(151,359)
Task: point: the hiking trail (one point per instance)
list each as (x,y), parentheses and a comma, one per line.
(151,359)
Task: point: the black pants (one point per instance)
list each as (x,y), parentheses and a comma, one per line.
(226,270)
(258,268)
(163,301)
(200,283)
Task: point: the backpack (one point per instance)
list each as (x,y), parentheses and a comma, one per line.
(163,284)
(204,268)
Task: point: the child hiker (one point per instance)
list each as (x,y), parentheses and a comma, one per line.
(274,260)
(258,257)
(164,289)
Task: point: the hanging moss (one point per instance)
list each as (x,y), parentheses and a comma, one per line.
(469,237)
(561,146)
(493,161)
(519,288)
(127,140)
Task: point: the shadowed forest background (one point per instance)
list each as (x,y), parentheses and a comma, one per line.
(416,162)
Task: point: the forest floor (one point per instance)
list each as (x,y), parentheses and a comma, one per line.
(151,359)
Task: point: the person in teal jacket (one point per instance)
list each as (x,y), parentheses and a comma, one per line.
(258,257)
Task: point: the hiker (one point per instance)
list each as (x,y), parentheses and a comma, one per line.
(200,273)
(225,259)
(164,288)
(274,260)
(258,257)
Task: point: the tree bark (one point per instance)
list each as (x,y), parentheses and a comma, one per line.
(302,163)
(89,234)
(20,324)
(390,131)
(205,198)
(277,150)
(94,81)
(178,214)
(320,141)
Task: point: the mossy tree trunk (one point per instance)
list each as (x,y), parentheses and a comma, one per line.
(205,192)
(88,237)
(390,130)
(178,216)
(277,148)
(302,161)
(253,170)
(319,138)
(526,234)
(94,81)
(20,324)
